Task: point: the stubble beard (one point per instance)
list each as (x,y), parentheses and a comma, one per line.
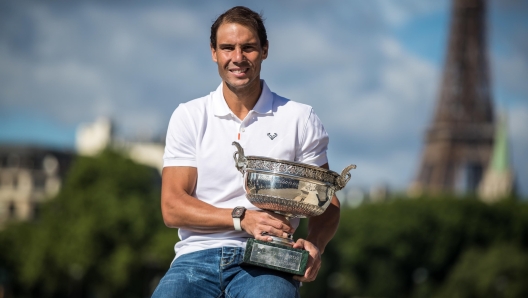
(234,84)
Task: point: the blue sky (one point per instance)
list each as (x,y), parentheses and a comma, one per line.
(370,69)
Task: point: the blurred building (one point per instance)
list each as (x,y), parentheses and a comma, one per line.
(459,141)
(379,193)
(499,179)
(29,176)
(92,138)
(353,197)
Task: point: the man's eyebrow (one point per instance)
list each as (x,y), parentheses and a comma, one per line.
(244,44)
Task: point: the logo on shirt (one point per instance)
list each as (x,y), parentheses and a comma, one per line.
(272,136)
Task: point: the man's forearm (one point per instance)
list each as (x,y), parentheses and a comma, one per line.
(180,210)
(322,228)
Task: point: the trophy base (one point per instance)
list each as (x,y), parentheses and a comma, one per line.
(276,256)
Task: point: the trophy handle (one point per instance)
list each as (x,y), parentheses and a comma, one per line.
(240,158)
(343,179)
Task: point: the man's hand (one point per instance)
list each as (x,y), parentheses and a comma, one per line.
(256,223)
(314,260)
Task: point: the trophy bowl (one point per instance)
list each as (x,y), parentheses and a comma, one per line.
(289,188)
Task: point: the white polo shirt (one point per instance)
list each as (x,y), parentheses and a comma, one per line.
(200,134)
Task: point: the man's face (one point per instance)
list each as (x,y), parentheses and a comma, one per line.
(238,55)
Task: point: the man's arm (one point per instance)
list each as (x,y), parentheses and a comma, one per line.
(321,229)
(181,210)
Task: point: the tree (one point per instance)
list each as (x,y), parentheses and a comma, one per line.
(416,248)
(498,271)
(102,235)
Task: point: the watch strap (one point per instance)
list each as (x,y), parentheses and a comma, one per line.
(236,223)
(237,214)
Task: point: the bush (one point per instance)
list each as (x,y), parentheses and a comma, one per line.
(102,236)
(416,248)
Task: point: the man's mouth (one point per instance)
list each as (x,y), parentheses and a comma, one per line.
(239,70)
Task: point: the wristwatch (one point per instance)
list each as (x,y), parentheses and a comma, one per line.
(237,214)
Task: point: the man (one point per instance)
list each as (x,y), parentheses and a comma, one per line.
(201,185)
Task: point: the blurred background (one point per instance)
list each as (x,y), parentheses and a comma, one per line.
(87,89)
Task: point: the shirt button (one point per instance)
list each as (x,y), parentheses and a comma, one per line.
(243,129)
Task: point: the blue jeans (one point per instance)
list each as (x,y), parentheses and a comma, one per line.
(218,272)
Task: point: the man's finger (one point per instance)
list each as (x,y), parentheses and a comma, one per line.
(314,261)
(280,225)
(263,236)
(278,221)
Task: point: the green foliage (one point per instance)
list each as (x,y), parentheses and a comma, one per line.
(426,248)
(102,236)
(498,271)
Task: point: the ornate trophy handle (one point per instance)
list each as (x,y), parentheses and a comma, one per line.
(240,158)
(343,179)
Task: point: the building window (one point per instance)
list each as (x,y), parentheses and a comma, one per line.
(13,161)
(39,181)
(36,211)
(50,164)
(468,177)
(29,163)
(11,210)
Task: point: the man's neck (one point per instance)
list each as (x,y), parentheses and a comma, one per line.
(242,100)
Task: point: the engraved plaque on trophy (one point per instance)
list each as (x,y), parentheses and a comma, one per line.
(291,189)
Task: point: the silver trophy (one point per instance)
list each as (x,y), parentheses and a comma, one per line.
(291,189)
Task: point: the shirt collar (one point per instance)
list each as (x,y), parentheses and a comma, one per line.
(264,104)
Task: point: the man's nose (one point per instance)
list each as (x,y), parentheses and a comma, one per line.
(238,55)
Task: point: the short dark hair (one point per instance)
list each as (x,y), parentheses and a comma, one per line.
(243,16)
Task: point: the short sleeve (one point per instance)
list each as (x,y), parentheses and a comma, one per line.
(313,143)
(180,144)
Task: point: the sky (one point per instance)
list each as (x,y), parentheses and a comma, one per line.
(370,69)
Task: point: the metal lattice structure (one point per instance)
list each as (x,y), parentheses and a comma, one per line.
(459,141)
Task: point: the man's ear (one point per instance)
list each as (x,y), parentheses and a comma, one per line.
(265,50)
(213,53)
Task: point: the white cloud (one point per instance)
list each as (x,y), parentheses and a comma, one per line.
(172,23)
(394,169)
(136,63)
(397,13)
(394,14)
(95,61)
(303,44)
(69,73)
(376,94)
(519,126)
(511,71)
(402,83)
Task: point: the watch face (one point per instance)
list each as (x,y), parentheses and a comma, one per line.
(238,211)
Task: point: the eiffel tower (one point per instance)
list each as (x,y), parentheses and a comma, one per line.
(460,138)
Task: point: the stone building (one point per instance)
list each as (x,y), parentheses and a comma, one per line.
(29,176)
(499,179)
(92,138)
